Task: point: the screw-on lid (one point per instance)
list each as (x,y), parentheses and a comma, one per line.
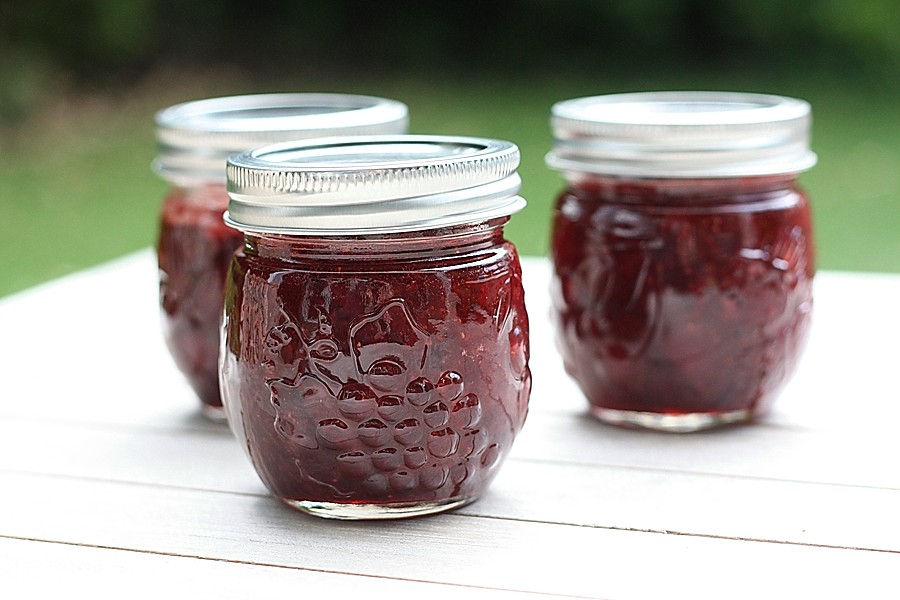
(372,184)
(681,134)
(195,138)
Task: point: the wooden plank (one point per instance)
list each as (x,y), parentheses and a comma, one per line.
(196,459)
(624,497)
(489,553)
(847,458)
(110,573)
(88,348)
(628,498)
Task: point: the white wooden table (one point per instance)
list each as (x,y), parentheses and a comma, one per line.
(111,482)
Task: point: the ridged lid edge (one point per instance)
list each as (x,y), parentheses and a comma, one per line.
(682,134)
(370,184)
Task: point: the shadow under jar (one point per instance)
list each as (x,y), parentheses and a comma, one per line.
(683,253)
(195,246)
(375,351)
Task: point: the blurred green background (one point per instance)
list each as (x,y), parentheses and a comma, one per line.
(81,79)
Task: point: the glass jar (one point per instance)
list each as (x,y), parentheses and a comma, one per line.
(683,253)
(195,246)
(375,351)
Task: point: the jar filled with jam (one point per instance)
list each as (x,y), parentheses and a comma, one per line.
(195,246)
(375,349)
(683,253)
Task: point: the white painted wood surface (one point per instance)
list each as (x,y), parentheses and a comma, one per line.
(110,481)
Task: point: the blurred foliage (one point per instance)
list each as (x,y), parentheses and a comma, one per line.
(81,79)
(45,43)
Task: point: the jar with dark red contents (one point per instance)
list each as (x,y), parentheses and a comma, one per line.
(683,253)
(195,246)
(375,354)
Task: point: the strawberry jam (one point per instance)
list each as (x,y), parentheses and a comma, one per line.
(375,351)
(194,250)
(683,253)
(388,372)
(682,298)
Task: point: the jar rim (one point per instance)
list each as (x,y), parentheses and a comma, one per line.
(195,138)
(362,185)
(682,134)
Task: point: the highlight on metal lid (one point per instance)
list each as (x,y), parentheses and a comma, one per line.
(372,184)
(195,138)
(682,134)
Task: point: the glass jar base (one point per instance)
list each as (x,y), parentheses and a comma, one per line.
(362,512)
(675,423)
(216,414)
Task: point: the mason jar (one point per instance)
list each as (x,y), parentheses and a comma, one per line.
(195,246)
(375,349)
(683,253)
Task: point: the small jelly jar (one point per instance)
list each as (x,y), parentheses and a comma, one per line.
(683,253)
(375,350)
(195,246)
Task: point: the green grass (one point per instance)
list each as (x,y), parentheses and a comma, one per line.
(76,188)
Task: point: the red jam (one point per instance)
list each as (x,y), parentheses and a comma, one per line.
(682,297)
(381,370)
(194,251)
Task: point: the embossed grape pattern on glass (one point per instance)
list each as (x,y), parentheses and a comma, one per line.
(682,296)
(377,372)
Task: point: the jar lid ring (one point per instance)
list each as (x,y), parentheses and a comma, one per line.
(372,184)
(682,134)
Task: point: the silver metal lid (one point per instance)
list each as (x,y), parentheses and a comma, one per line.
(681,134)
(372,184)
(195,138)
